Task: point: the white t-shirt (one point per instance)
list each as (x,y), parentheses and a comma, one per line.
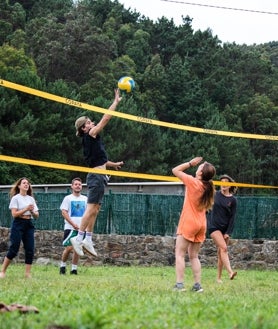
(75,206)
(19,202)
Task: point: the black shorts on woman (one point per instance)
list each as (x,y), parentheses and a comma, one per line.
(213,229)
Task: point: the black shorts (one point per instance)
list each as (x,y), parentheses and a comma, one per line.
(68,234)
(211,230)
(96,185)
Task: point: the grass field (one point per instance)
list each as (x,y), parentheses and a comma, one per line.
(138,297)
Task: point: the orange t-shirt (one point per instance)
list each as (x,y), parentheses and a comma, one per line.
(192,224)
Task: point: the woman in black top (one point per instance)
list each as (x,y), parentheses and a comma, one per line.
(221,224)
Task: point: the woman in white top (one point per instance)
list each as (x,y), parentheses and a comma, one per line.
(23,209)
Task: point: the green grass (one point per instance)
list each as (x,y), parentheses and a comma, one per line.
(138,297)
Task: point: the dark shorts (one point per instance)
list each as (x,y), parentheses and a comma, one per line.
(211,230)
(68,234)
(96,185)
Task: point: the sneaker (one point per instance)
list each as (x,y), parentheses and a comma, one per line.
(88,246)
(179,287)
(77,246)
(73,272)
(62,270)
(197,287)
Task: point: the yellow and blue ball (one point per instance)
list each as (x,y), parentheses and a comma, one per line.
(126,84)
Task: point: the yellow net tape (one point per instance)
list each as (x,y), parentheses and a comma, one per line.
(54,165)
(85,106)
(140,119)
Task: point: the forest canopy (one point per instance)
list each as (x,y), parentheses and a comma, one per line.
(79,50)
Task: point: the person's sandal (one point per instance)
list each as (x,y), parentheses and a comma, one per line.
(233,275)
(17,307)
(23,308)
(4,308)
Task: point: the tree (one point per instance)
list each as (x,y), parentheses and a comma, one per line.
(73,51)
(138,49)
(79,50)
(154,88)
(260,116)
(12,18)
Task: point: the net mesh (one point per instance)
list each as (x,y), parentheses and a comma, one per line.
(137,214)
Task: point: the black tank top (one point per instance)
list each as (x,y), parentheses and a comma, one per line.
(94,151)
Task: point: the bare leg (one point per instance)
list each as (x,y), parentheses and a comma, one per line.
(65,254)
(219,266)
(220,242)
(75,258)
(181,248)
(89,217)
(193,252)
(28,271)
(4,267)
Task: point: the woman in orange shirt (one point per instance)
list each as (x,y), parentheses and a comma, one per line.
(191,232)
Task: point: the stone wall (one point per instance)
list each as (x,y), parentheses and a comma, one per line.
(128,250)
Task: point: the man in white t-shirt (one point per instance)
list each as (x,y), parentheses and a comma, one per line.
(73,208)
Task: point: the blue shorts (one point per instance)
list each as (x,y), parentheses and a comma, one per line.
(96,185)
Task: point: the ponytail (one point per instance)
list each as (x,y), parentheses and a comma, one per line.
(207,199)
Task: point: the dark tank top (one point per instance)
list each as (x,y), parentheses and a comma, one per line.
(94,151)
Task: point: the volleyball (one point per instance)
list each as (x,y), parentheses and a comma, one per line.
(126,84)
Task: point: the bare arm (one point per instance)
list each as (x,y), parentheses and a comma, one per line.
(65,214)
(115,165)
(35,214)
(179,170)
(95,130)
(17,213)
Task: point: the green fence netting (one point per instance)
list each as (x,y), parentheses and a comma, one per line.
(137,214)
